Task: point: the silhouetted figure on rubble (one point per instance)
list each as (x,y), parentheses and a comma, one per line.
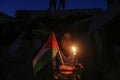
(61,4)
(52,4)
(109,2)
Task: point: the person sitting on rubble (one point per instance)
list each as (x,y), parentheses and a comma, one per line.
(67,68)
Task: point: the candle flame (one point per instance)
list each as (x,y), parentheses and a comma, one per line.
(74,50)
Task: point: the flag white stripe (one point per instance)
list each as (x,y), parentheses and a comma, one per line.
(39,55)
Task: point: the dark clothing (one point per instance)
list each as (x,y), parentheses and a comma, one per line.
(109,2)
(61,3)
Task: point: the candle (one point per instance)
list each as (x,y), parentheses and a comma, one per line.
(74,50)
(74,53)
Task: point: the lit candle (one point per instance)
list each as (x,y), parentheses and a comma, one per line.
(74,53)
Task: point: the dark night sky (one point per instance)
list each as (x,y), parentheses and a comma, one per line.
(10,6)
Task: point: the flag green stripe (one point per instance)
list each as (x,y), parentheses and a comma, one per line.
(45,59)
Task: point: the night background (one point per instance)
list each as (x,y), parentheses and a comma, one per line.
(10,6)
(25,26)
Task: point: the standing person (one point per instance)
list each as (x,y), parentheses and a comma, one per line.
(109,2)
(61,4)
(52,4)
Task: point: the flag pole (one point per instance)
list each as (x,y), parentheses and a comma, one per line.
(61,58)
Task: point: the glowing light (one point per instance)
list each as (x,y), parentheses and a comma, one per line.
(74,50)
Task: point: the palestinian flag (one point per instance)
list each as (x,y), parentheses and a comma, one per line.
(47,53)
